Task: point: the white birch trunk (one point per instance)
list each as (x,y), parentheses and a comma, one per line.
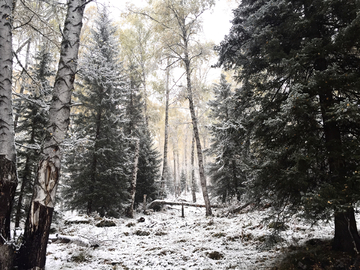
(164,173)
(7,138)
(33,252)
(8,176)
(194,121)
(193,180)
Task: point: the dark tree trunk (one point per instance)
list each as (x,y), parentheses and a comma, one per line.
(32,254)
(7,191)
(6,257)
(236,180)
(24,182)
(346,235)
(89,205)
(36,237)
(19,205)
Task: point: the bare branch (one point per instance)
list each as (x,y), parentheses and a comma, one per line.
(24,69)
(23,45)
(150,17)
(28,22)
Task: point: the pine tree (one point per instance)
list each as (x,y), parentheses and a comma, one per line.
(32,123)
(299,68)
(225,171)
(99,164)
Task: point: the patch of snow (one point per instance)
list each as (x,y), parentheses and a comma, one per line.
(167,241)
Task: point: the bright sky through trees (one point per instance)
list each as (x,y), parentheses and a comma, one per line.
(216,22)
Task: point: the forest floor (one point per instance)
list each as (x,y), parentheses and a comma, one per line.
(165,240)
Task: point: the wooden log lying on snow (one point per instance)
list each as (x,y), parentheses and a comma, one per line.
(156,204)
(67,239)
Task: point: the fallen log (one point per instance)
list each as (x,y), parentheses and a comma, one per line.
(67,239)
(157,204)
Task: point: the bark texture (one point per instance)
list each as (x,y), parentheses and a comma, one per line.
(7,192)
(8,176)
(346,235)
(32,255)
(6,257)
(7,145)
(8,182)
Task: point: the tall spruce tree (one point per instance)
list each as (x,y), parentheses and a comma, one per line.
(99,163)
(298,62)
(225,171)
(32,107)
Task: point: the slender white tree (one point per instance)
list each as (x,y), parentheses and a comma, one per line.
(8,176)
(32,254)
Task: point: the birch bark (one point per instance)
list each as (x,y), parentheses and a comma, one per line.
(197,138)
(32,255)
(193,180)
(8,176)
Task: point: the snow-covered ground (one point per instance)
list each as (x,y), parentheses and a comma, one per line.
(167,241)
